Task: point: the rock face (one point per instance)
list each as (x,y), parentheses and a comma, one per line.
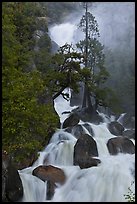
(84,151)
(88,115)
(52,175)
(12,188)
(120,144)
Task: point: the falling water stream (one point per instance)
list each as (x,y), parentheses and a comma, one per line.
(107,182)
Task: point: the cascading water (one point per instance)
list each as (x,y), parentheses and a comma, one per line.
(107,182)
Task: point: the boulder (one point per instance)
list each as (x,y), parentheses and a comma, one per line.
(120,144)
(84,151)
(12,188)
(71,121)
(115,128)
(52,175)
(88,162)
(77,131)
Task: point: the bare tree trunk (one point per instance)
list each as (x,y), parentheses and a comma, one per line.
(89,103)
(84,102)
(86,48)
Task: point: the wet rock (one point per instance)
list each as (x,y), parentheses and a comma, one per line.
(120,144)
(88,115)
(12,188)
(89,128)
(71,121)
(128,120)
(115,128)
(84,151)
(52,175)
(88,162)
(77,131)
(129,133)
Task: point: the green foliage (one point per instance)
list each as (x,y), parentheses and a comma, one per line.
(42,55)
(65,70)
(42,60)
(94,58)
(42,24)
(10,45)
(108,98)
(92,25)
(25,23)
(27,124)
(130,196)
(86,75)
(44,42)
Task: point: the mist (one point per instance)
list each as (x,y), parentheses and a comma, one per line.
(116,22)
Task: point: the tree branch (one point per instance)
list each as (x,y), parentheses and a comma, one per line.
(59,92)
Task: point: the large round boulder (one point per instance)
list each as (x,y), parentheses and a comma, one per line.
(120,144)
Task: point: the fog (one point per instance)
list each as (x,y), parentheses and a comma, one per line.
(116,22)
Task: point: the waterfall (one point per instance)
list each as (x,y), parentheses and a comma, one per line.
(107,182)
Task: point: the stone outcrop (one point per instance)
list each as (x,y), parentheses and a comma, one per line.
(88,115)
(71,121)
(120,144)
(79,130)
(12,188)
(53,175)
(85,150)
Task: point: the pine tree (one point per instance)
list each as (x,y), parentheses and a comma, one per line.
(94,60)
